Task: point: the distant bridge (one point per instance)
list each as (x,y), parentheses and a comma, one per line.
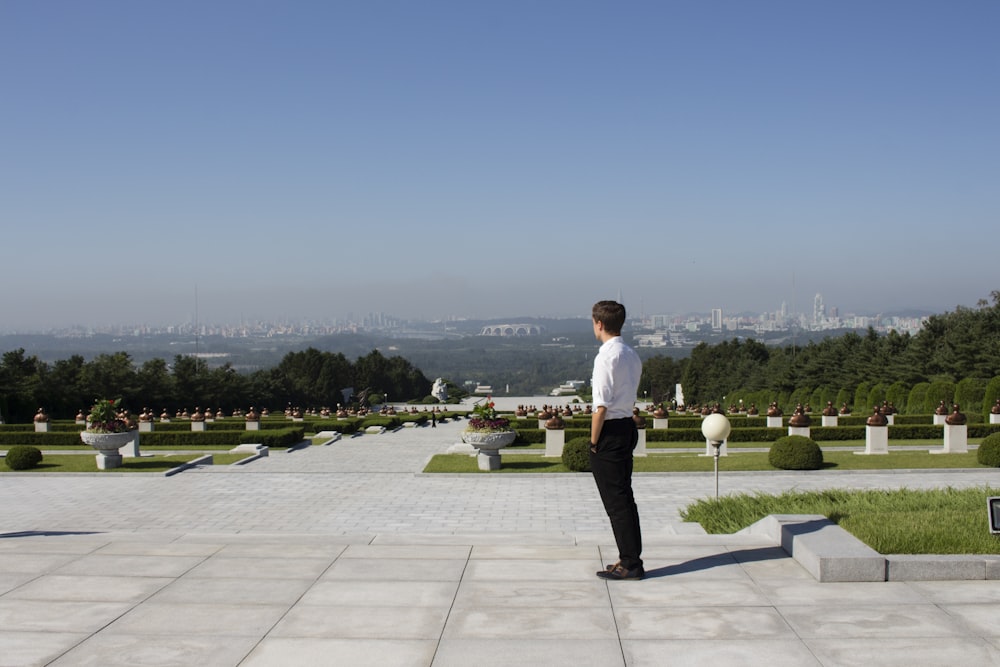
(512,330)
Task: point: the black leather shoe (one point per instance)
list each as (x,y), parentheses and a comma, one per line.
(619,573)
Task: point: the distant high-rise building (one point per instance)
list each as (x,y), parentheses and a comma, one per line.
(819,311)
(716,319)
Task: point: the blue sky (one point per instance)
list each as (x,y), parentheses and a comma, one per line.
(493,159)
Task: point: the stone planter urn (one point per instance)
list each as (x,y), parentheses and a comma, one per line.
(489,444)
(107,446)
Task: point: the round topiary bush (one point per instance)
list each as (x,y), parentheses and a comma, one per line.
(576,454)
(795,452)
(989,451)
(23,457)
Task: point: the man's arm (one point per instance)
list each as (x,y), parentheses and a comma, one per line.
(596,425)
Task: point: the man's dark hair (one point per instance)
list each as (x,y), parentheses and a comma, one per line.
(611,314)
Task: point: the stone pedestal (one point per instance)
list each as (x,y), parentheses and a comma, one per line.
(145,427)
(891,419)
(255,426)
(939,419)
(640,447)
(956,440)
(197,426)
(876,440)
(541,423)
(660,423)
(774,422)
(488,459)
(131,448)
(799,430)
(79,422)
(710,450)
(555,440)
(994,419)
(41,427)
(829,421)
(108,461)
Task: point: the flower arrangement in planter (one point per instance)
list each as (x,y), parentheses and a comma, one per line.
(107,432)
(489,433)
(103,417)
(485,419)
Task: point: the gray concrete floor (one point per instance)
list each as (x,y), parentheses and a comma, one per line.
(346,555)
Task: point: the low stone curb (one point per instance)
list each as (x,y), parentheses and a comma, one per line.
(201,460)
(831,554)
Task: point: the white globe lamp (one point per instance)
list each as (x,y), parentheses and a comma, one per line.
(715,427)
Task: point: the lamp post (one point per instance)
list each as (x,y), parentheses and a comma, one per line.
(715,427)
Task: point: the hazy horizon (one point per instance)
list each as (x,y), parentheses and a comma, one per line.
(308,159)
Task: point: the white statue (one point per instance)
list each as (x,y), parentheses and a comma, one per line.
(440,390)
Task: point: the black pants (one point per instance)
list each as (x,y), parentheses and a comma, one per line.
(612,468)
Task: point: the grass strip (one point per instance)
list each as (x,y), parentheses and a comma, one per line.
(736,461)
(936,521)
(154,464)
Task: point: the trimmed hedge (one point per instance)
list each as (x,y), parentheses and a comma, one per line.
(989,451)
(23,457)
(576,454)
(273,438)
(795,452)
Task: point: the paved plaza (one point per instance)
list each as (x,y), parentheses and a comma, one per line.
(346,554)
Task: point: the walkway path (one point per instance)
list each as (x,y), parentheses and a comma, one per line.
(345,554)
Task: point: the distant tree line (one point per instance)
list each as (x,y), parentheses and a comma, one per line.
(955,357)
(305,379)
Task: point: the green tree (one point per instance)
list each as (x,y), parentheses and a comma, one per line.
(190,381)
(876,395)
(20,380)
(937,393)
(861,404)
(916,402)
(156,389)
(112,376)
(991,395)
(660,376)
(969,393)
(897,394)
(63,389)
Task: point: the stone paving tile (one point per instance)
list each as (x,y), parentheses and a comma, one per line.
(20,648)
(872,620)
(359,622)
(701,622)
(163,618)
(904,652)
(590,592)
(247,567)
(233,591)
(285,651)
(108,649)
(527,651)
(395,569)
(58,615)
(532,623)
(82,588)
(382,593)
(764,652)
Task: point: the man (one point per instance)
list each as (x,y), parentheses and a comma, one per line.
(613,436)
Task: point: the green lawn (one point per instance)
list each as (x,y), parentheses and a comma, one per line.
(691,462)
(84,463)
(938,521)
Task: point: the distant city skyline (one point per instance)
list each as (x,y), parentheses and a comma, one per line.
(310,159)
(717,319)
